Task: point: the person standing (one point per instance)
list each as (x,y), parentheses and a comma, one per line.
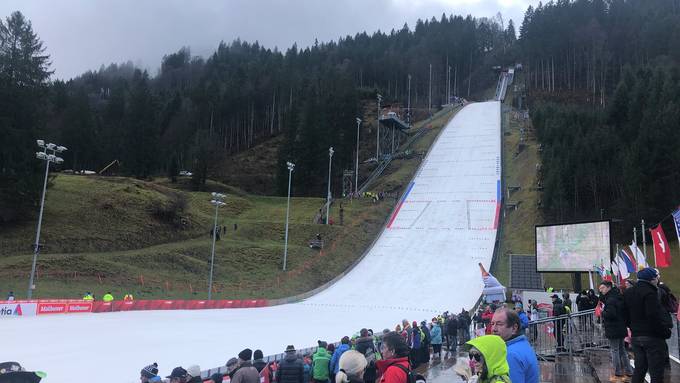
(291,369)
(335,366)
(488,355)
(436,339)
(245,372)
(394,367)
(320,363)
(352,367)
(452,332)
(558,310)
(521,356)
(615,329)
(365,346)
(108,297)
(10,296)
(644,318)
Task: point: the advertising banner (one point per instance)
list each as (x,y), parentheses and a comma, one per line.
(17,309)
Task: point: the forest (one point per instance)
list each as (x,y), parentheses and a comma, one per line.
(195,111)
(603,85)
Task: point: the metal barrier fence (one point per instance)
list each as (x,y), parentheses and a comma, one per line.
(567,334)
(674,341)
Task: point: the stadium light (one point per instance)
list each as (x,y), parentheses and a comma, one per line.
(356,164)
(290,166)
(47,157)
(328,199)
(377,140)
(217,202)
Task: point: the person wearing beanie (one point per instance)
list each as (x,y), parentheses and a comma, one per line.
(291,368)
(148,373)
(352,365)
(217,378)
(245,372)
(258,360)
(643,315)
(194,374)
(367,348)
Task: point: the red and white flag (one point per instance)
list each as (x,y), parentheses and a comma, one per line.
(662,252)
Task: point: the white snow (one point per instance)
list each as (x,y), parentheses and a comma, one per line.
(423,264)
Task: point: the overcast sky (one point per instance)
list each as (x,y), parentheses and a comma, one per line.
(84,34)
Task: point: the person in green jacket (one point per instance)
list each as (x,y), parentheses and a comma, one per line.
(320,363)
(107,297)
(489,356)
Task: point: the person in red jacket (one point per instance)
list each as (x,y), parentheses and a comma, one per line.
(394,367)
(487,315)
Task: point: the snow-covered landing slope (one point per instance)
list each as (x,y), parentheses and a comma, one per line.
(424,262)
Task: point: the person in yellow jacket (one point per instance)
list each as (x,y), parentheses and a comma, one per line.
(88,296)
(488,355)
(128,297)
(107,297)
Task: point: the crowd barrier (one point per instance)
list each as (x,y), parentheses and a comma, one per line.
(71,306)
(566,334)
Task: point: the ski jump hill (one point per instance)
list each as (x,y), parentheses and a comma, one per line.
(424,262)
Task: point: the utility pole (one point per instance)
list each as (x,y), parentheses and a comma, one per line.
(429,105)
(377,140)
(328,200)
(291,166)
(217,201)
(408,115)
(55,149)
(356,164)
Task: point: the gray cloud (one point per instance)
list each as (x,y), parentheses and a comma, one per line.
(84,34)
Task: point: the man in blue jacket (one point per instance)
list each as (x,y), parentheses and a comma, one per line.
(521,357)
(335,360)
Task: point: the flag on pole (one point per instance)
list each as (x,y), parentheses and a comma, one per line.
(676,219)
(640,259)
(628,259)
(624,268)
(662,252)
(616,273)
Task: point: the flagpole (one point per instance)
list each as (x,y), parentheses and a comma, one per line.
(644,243)
(618,277)
(677,232)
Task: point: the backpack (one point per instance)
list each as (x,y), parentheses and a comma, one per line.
(672,305)
(411,376)
(425,336)
(370,356)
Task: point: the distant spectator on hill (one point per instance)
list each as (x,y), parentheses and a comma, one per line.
(108,297)
(10,296)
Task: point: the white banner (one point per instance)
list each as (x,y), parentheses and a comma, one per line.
(17,309)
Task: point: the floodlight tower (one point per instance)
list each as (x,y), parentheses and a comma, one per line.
(217,201)
(48,157)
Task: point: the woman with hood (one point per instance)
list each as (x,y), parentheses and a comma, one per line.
(488,355)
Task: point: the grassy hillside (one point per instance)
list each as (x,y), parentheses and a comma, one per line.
(152,238)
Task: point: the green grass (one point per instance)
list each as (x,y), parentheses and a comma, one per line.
(101,234)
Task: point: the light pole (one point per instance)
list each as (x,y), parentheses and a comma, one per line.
(429,105)
(217,201)
(291,166)
(328,201)
(408,115)
(377,140)
(47,157)
(356,165)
